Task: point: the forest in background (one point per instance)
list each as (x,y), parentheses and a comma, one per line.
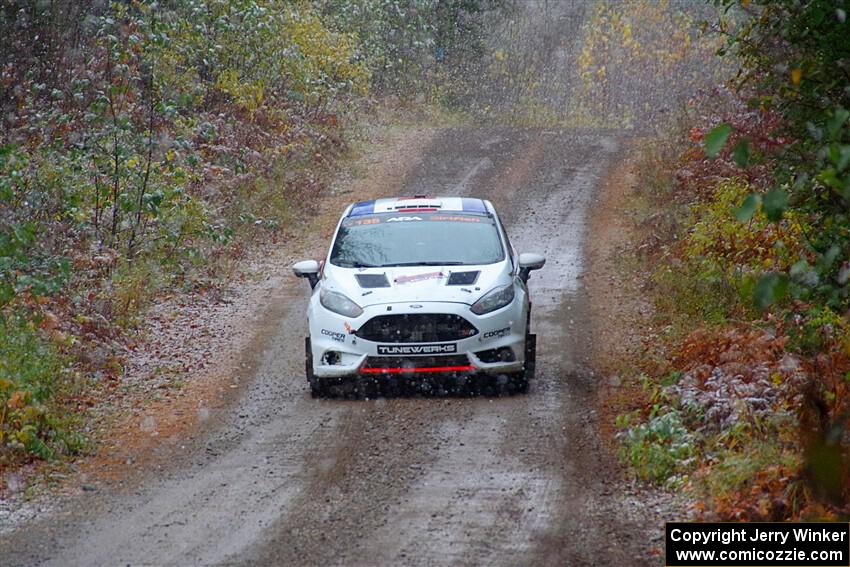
(146,144)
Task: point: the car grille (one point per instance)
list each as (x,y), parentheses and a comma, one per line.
(416,328)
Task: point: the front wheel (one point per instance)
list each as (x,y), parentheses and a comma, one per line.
(317,388)
(530,356)
(518,382)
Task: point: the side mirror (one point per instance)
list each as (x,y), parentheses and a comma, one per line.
(307,269)
(529,261)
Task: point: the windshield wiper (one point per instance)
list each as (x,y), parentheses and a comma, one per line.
(405,264)
(357,265)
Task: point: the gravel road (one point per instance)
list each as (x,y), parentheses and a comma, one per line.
(283,479)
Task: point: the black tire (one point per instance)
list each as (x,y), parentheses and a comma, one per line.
(530,356)
(519,382)
(317,388)
(367,388)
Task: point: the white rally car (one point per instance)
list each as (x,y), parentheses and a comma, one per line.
(415,286)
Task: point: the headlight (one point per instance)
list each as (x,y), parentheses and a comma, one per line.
(495,299)
(338,303)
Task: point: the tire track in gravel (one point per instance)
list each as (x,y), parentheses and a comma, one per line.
(496,481)
(377,466)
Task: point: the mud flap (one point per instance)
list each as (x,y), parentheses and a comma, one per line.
(308,360)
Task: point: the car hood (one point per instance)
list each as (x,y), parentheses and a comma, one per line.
(416,284)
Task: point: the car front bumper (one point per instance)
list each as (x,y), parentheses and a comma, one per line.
(497,347)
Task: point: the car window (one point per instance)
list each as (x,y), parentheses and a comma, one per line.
(417,239)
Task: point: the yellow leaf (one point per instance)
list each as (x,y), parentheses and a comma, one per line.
(17,400)
(796,75)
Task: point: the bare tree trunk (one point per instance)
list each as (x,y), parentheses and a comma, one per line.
(144,186)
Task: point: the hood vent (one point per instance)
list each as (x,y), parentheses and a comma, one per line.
(462,278)
(370,281)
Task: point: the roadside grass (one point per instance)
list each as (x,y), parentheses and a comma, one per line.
(134,287)
(755,480)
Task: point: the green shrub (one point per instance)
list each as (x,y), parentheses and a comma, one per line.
(792,56)
(31,376)
(817,330)
(711,274)
(660,449)
(718,242)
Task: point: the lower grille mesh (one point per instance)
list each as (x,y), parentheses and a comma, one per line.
(417,328)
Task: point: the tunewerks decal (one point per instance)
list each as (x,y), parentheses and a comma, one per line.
(417,349)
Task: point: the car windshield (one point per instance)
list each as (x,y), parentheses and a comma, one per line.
(417,239)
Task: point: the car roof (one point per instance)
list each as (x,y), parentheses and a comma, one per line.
(420,203)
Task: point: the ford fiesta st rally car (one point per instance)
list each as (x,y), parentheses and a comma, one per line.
(415,286)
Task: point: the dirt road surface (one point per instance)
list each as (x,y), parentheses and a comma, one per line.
(414,480)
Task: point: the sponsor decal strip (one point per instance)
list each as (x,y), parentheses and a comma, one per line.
(419,277)
(362,219)
(361,222)
(456,218)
